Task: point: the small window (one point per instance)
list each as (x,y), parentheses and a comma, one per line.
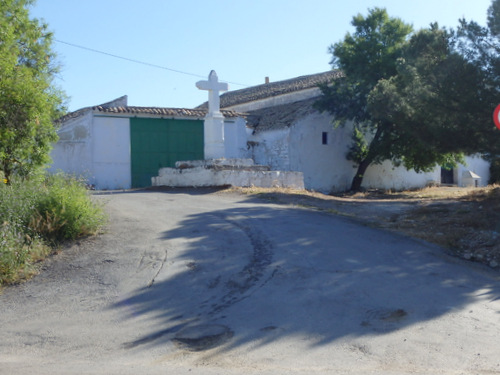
(324,138)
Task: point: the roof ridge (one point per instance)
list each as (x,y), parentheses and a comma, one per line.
(159,111)
(169,111)
(267,90)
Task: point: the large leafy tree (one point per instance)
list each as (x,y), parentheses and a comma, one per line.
(29,102)
(436,103)
(480,46)
(365,57)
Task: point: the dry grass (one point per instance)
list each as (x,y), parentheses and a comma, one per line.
(441,192)
(467,225)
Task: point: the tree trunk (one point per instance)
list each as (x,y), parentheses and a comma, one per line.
(360,173)
(365,163)
(7,171)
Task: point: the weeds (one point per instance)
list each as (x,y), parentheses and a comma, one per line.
(64,211)
(36,215)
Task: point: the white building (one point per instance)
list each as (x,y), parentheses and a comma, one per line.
(116,146)
(289,134)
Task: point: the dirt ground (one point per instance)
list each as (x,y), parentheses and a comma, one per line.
(464,221)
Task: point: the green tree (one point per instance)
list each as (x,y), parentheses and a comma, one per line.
(29,101)
(435,103)
(480,46)
(365,57)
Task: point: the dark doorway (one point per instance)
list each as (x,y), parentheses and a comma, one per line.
(447,175)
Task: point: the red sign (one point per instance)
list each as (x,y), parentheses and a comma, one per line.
(496,117)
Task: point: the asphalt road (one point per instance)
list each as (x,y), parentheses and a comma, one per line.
(192,282)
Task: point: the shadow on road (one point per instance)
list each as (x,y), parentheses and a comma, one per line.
(262,274)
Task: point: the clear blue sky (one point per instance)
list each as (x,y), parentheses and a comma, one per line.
(243,40)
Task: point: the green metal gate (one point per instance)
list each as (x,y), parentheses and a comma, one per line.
(159,143)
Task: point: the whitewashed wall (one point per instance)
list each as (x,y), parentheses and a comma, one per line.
(389,177)
(73,152)
(96,149)
(324,166)
(271,148)
(235,139)
(326,169)
(475,164)
(111,153)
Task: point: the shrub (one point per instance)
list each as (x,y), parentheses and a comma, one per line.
(36,213)
(18,253)
(64,211)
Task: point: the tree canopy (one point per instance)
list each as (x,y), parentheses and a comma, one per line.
(365,57)
(417,99)
(435,103)
(481,47)
(29,101)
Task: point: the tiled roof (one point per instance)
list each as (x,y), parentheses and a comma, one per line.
(152,111)
(161,111)
(268,90)
(280,116)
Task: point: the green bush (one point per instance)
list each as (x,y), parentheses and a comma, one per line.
(39,212)
(64,210)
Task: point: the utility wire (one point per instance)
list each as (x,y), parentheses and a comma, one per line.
(141,62)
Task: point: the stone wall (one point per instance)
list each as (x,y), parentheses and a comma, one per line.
(223,172)
(271,148)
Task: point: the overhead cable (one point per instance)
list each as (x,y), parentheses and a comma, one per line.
(140,62)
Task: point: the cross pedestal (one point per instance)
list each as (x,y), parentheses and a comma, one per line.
(214,120)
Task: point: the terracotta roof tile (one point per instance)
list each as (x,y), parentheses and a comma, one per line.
(152,111)
(280,116)
(268,90)
(162,111)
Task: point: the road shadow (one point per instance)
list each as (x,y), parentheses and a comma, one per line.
(260,274)
(163,189)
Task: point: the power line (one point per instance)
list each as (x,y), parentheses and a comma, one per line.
(140,62)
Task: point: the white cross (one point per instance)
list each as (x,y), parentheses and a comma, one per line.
(214,87)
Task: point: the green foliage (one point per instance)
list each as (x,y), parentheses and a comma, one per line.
(481,47)
(29,102)
(494,18)
(495,171)
(18,253)
(358,151)
(39,212)
(435,117)
(64,210)
(365,57)
(370,53)
(419,101)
